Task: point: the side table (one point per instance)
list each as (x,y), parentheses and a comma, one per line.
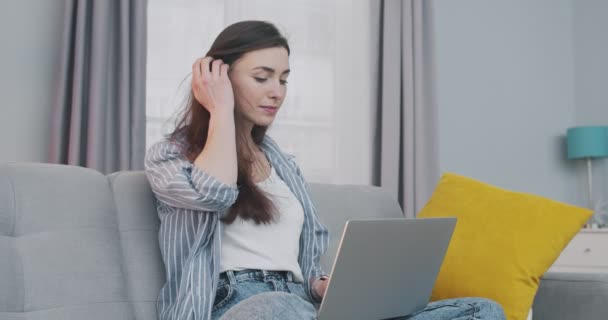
(576,286)
(586,253)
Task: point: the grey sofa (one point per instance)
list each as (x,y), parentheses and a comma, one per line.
(75,244)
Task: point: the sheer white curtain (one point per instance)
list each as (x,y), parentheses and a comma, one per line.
(327,120)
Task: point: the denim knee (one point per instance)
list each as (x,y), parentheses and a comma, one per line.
(275,298)
(489,308)
(272,305)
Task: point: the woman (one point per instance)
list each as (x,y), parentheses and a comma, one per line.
(239,234)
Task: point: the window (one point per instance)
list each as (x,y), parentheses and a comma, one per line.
(327,116)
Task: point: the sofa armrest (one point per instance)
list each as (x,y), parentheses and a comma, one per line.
(572,296)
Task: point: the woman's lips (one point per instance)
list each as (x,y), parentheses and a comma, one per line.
(269,110)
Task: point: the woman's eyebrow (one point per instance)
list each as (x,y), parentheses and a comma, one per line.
(271,70)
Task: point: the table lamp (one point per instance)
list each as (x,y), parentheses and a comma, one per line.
(588,142)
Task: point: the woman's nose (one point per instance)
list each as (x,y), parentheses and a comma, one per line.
(276,90)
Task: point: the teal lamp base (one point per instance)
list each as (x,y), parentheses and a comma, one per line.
(588,142)
(592,223)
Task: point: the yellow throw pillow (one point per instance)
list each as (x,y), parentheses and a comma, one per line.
(503,243)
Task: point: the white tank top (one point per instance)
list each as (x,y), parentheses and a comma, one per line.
(273,246)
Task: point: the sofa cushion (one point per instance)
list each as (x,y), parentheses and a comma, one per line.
(572,296)
(503,243)
(60,251)
(138,225)
(336,204)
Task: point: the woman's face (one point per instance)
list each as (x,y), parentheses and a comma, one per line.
(259,83)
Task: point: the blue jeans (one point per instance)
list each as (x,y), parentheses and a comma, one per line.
(267,295)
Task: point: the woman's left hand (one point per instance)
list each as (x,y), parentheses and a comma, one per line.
(320,285)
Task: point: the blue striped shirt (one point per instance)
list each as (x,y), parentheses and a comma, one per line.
(190,203)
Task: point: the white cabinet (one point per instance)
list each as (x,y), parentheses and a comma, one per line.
(586,253)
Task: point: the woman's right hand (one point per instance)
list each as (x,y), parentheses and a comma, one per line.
(212,89)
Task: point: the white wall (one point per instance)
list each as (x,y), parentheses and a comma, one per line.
(30,31)
(591,85)
(505,87)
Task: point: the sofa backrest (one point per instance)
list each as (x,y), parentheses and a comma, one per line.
(61,253)
(336,204)
(139,223)
(75,244)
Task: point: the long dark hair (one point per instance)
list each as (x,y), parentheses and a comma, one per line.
(193,124)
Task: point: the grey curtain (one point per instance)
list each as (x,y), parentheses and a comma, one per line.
(407,140)
(98,118)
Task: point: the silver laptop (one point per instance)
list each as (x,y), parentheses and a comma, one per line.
(385,268)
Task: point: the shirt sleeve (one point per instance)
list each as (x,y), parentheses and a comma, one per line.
(318,233)
(175,181)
